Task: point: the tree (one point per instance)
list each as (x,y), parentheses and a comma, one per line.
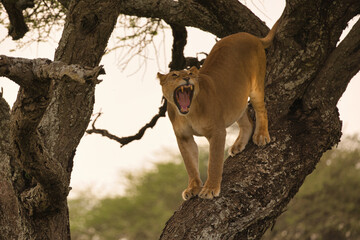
(304,83)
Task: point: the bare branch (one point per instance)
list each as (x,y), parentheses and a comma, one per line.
(125,140)
(32,73)
(136,35)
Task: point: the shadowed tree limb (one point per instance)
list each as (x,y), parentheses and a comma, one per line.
(178,61)
(234,17)
(18,27)
(205,15)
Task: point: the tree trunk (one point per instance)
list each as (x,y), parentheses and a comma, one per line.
(304,82)
(46,124)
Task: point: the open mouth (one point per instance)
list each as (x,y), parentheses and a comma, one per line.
(183,96)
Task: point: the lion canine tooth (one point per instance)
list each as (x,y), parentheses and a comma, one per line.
(182,89)
(191,87)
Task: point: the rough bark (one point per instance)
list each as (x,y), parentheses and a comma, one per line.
(46,124)
(35,78)
(304,83)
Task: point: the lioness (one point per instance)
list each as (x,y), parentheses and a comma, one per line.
(205,102)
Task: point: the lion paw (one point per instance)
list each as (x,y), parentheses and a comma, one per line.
(209,192)
(235,149)
(190,192)
(261,138)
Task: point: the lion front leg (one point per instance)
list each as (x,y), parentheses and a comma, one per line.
(189,152)
(212,185)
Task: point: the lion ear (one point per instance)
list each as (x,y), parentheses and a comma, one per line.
(194,69)
(161,77)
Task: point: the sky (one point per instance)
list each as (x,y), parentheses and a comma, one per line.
(129,98)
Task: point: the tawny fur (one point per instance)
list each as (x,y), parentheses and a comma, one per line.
(233,71)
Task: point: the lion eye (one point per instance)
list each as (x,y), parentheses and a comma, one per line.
(174,75)
(190,73)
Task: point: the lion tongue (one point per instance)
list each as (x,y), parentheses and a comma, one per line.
(184,100)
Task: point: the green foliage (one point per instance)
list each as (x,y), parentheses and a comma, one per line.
(328,204)
(151,198)
(326,207)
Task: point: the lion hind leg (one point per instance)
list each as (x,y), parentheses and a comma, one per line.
(246,129)
(261,135)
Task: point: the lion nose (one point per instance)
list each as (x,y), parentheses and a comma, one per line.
(186,78)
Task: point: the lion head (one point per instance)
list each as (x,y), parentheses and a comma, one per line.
(180,88)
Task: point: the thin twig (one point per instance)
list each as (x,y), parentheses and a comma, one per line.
(125,140)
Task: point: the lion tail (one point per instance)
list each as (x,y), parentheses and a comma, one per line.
(267,41)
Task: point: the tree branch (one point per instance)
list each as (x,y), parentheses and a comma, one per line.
(179,41)
(235,17)
(18,27)
(205,16)
(125,140)
(32,73)
(338,70)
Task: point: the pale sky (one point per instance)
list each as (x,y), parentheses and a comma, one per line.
(129,102)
